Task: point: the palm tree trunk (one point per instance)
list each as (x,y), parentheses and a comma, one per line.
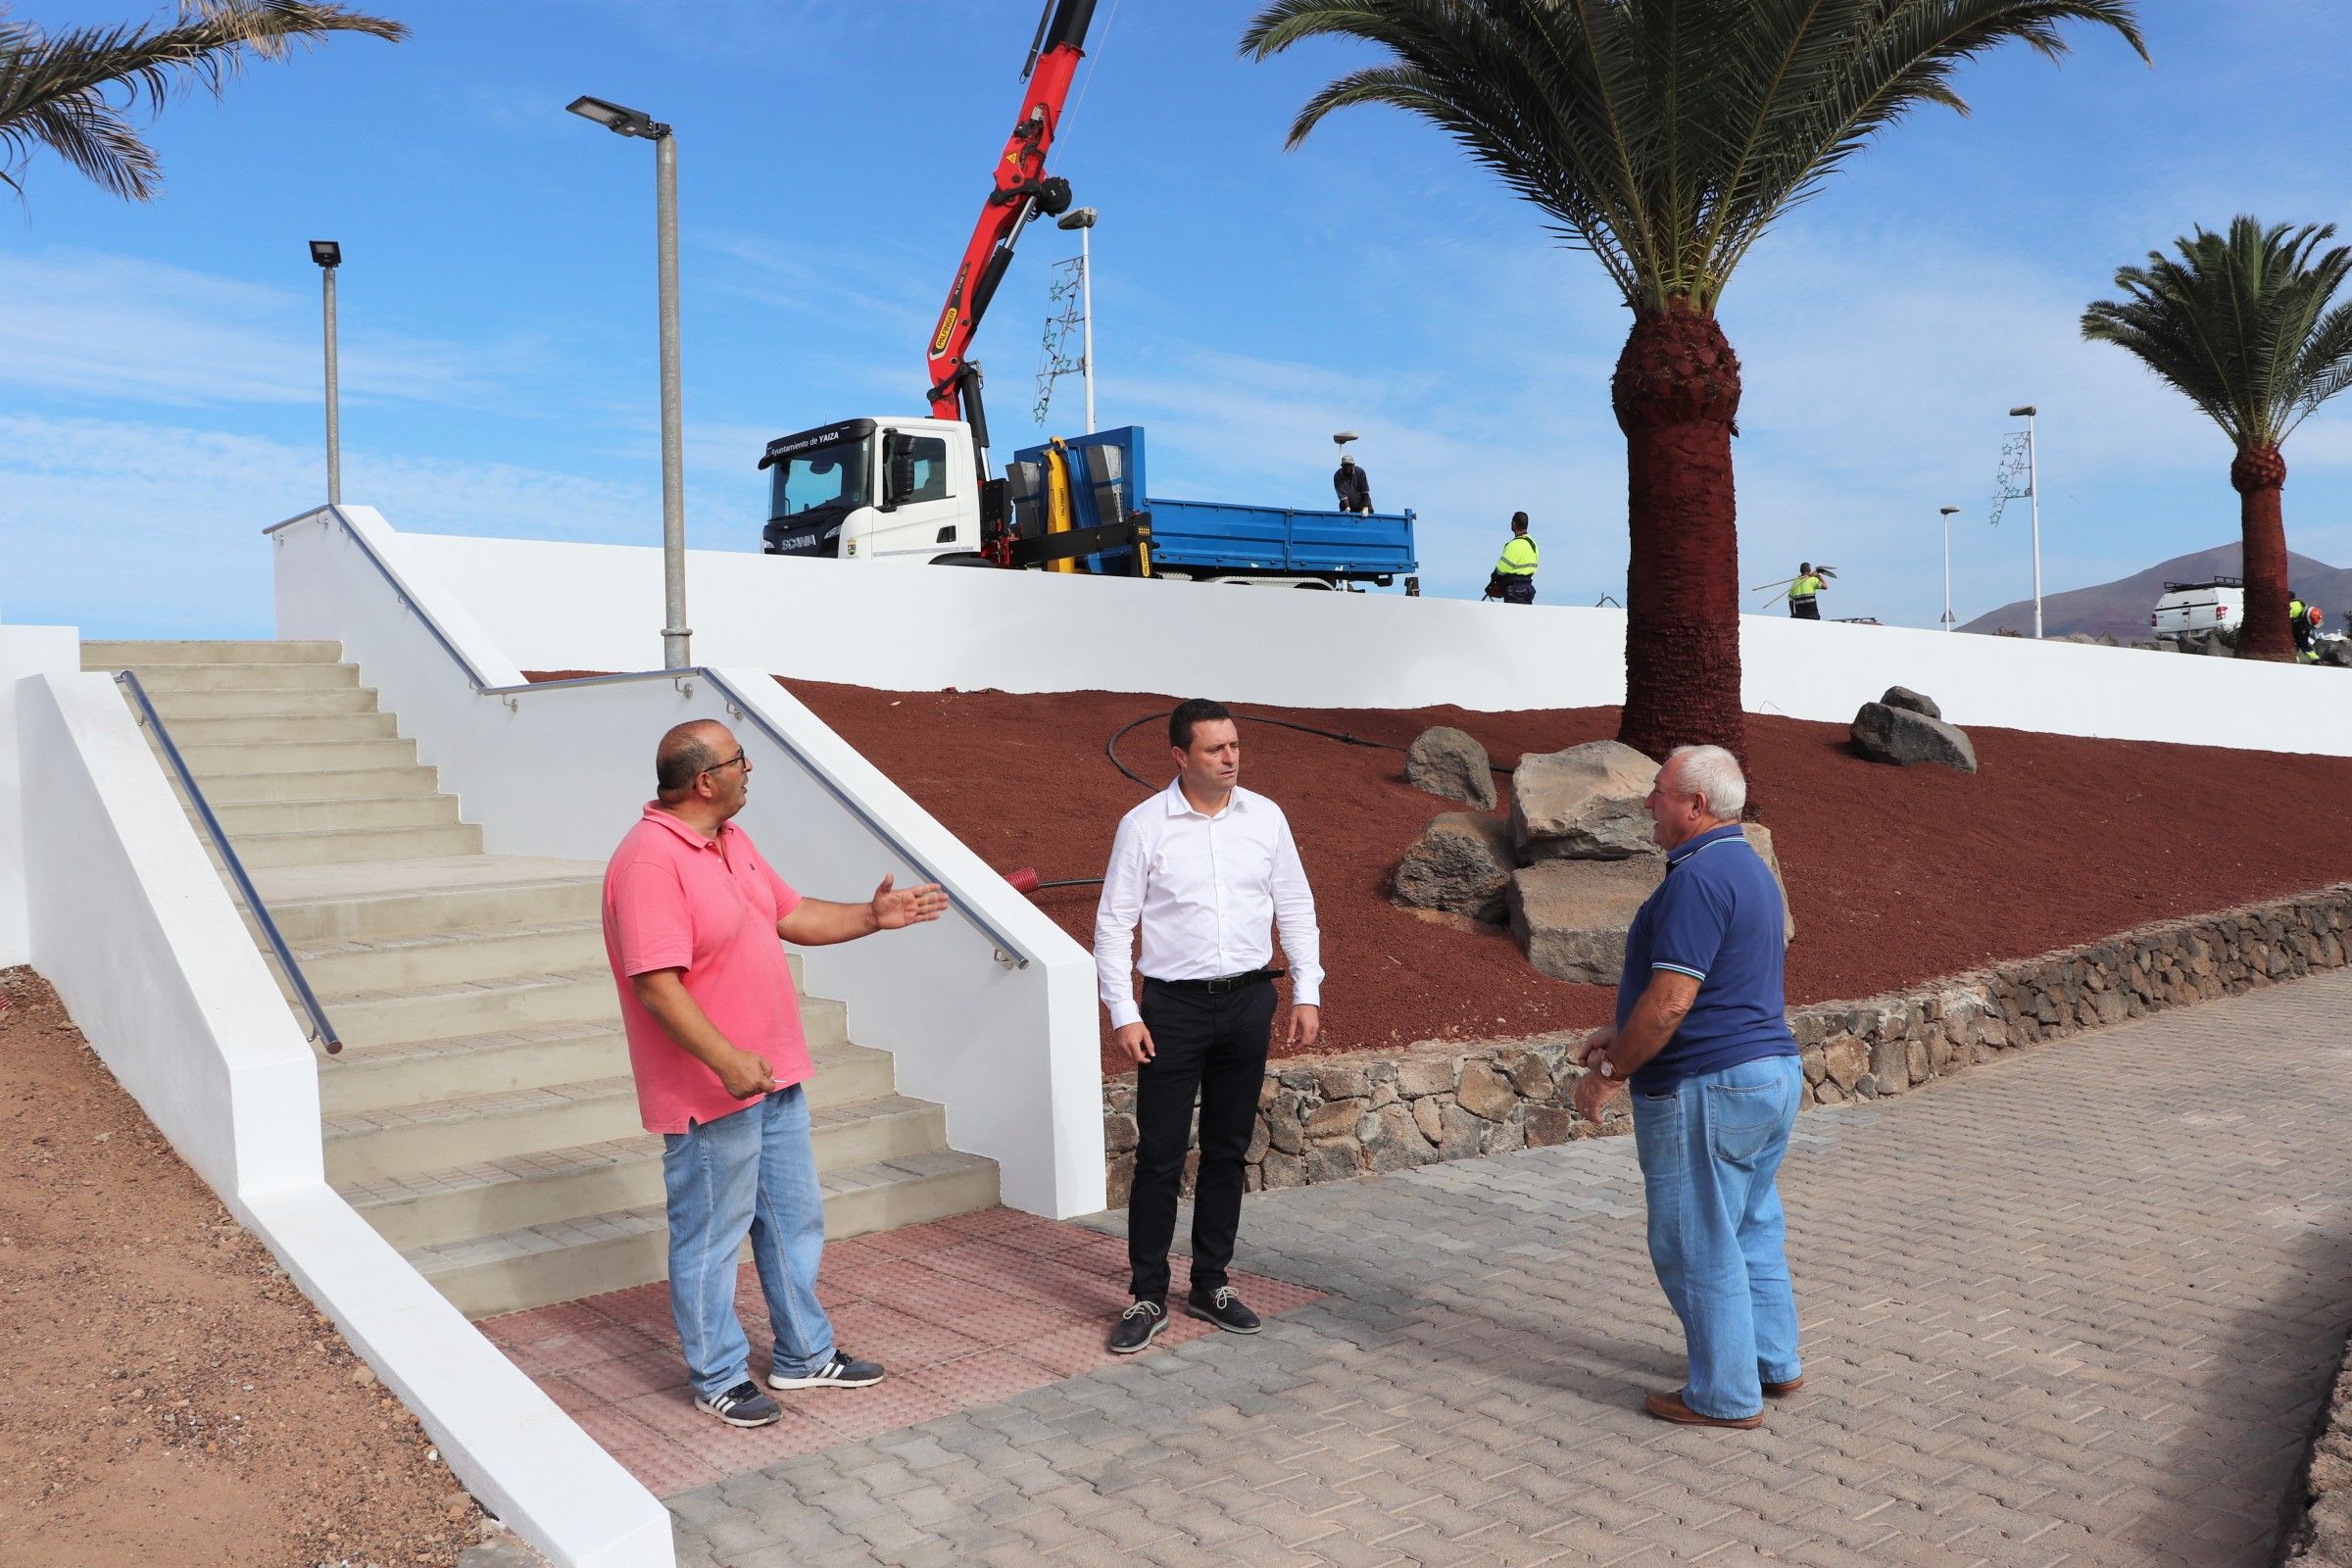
(1676,392)
(2258,475)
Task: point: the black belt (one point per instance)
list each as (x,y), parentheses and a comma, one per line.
(1223,985)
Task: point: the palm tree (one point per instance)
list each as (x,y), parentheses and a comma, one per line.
(71,92)
(1664,137)
(2241,325)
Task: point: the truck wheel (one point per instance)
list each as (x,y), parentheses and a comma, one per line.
(1324,586)
(963,558)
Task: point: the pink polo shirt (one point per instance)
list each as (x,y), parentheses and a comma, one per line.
(675,900)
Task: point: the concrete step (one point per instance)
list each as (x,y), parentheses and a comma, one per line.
(210,760)
(370,1145)
(408,898)
(568,1259)
(162,681)
(108,655)
(182,708)
(413,810)
(278,729)
(485,1197)
(320,784)
(449,956)
(381,1077)
(412,1013)
(321,847)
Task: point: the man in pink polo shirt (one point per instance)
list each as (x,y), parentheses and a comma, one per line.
(692,918)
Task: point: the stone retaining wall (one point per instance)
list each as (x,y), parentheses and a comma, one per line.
(1328,1118)
(2316,1518)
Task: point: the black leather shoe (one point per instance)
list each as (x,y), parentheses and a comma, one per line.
(1223,1308)
(1137,1327)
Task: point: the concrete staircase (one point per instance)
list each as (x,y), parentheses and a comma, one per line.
(480,1114)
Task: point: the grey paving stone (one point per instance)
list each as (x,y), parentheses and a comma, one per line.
(2076,1306)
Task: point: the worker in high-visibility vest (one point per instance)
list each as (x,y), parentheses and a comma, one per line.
(1514,576)
(1803,591)
(2298,622)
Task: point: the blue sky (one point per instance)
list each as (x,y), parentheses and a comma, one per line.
(159,384)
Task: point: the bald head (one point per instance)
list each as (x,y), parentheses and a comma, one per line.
(687,751)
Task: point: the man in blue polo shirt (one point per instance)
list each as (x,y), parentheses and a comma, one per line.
(1702,1033)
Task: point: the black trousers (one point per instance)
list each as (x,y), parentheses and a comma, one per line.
(1803,610)
(1213,1047)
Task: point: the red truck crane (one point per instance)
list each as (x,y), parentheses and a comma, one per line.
(1023,192)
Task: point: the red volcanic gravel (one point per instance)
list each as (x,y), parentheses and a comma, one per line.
(1895,875)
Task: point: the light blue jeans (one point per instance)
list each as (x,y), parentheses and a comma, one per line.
(752,1172)
(1709,1153)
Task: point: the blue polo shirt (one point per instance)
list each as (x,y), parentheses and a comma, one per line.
(1717,917)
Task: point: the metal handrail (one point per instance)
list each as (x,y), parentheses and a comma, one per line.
(1008,952)
(322,1031)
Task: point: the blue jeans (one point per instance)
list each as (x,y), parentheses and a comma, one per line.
(1709,1153)
(750,1172)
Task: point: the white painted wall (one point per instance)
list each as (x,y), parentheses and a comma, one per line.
(1010,1052)
(132,926)
(553,606)
(23,651)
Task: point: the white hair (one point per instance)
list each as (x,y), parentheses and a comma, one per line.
(1713,772)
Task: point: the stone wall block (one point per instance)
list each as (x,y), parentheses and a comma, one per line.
(1485,1092)
(1891,1065)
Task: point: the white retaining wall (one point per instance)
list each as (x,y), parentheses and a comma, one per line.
(23,651)
(551,606)
(132,926)
(1011,1053)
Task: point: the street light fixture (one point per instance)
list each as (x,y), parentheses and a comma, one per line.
(329,254)
(1082,218)
(2027,412)
(676,638)
(1947,565)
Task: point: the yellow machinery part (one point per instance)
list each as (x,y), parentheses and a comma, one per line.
(1058,498)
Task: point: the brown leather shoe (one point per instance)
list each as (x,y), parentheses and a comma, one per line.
(1775,1390)
(1670,1407)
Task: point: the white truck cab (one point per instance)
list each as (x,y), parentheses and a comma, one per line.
(2200,606)
(874,489)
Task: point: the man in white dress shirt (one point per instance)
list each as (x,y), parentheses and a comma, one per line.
(1208,867)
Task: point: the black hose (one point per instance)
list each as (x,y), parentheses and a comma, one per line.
(1071,882)
(1110,747)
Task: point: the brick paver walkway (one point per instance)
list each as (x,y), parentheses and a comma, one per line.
(2078,1306)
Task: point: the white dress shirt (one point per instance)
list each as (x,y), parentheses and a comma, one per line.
(1208,890)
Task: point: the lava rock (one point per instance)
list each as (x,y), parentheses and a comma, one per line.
(1903,696)
(1583,803)
(1446,762)
(1570,917)
(1460,862)
(1759,839)
(1884,734)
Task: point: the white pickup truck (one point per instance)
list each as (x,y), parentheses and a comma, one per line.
(2200,606)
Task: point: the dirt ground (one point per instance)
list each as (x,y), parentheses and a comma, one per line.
(167,1395)
(1895,875)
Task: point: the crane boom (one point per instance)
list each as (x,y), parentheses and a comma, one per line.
(1022,191)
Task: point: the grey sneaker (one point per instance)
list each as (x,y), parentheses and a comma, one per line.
(1137,1327)
(844,1371)
(742,1405)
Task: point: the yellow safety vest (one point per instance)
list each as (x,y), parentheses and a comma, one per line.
(1518,558)
(1805,588)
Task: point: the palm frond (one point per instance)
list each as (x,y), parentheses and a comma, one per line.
(72,91)
(1681,127)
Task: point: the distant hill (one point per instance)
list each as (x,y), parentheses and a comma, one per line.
(2120,608)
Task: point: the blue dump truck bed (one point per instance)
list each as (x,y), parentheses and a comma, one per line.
(1094,481)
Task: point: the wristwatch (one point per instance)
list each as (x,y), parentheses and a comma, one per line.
(1608,1069)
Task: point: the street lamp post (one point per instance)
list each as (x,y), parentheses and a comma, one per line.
(676,639)
(2026,412)
(329,254)
(1082,220)
(1947,565)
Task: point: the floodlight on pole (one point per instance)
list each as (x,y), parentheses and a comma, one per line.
(1082,218)
(676,638)
(2026,412)
(1947,565)
(329,254)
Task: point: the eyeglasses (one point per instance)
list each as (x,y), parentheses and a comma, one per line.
(729,763)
